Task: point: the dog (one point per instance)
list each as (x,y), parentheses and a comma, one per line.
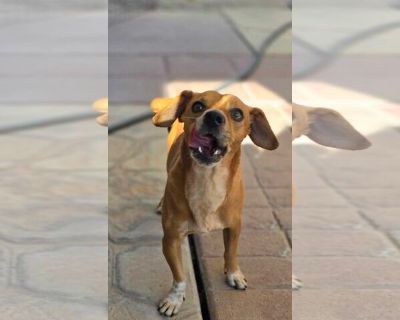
(204,189)
(328,128)
(324,126)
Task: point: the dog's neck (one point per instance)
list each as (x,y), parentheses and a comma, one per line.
(206,188)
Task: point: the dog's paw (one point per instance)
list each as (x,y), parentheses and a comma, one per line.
(236,280)
(296,283)
(171,304)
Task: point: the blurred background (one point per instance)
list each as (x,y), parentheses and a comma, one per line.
(346,218)
(53,160)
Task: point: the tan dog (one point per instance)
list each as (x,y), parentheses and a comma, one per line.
(326,127)
(204,190)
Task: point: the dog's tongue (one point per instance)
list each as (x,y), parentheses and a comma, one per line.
(197,140)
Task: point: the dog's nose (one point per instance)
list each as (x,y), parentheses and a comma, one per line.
(214,119)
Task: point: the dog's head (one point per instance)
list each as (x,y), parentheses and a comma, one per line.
(214,124)
(326,127)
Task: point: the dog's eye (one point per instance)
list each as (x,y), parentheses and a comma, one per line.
(236,114)
(198,107)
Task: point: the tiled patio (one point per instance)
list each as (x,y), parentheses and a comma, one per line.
(345,245)
(54,221)
(175,62)
(346,226)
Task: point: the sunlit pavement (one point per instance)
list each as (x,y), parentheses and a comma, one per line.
(53,261)
(162,53)
(346,223)
(346,216)
(53,221)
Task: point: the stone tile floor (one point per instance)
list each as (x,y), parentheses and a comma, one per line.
(264,246)
(169,49)
(54,54)
(139,274)
(346,213)
(366,217)
(53,235)
(345,216)
(172,60)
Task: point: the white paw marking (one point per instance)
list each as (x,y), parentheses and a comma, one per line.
(296,283)
(171,304)
(236,280)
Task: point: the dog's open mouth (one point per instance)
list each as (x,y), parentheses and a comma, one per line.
(206,148)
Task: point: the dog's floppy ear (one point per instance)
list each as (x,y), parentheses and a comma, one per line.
(169,109)
(260,131)
(329,128)
(101,106)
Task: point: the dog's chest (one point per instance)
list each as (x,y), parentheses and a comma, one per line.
(205,191)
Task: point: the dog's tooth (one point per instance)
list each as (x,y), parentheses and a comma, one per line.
(200,149)
(217,151)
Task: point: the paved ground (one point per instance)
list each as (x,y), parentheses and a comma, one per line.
(161,52)
(52,56)
(53,221)
(334,228)
(345,221)
(139,274)
(53,256)
(264,247)
(157,54)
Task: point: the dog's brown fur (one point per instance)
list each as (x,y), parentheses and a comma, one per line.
(202,198)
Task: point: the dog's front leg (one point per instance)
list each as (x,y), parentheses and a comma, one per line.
(170,305)
(234,276)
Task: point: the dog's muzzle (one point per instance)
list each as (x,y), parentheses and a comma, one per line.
(207,141)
